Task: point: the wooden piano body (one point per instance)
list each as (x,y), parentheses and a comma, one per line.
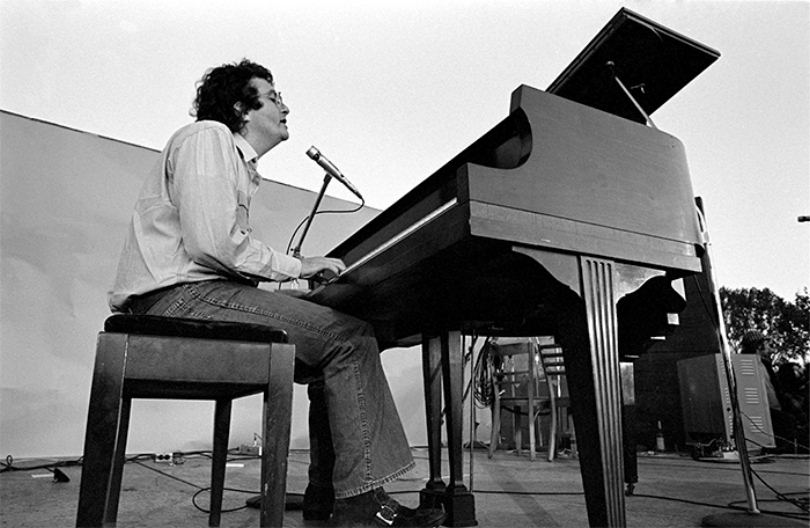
(562,220)
(539,228)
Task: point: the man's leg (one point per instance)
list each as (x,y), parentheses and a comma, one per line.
(369,443)
(370,447)
(319,497)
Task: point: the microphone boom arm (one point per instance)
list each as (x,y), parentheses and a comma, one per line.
(297,251)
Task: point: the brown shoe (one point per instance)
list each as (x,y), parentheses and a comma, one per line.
(376,508)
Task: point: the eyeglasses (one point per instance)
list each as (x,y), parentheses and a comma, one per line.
(274,97)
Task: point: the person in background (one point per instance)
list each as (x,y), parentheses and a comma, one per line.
(754,342)
(190,252)
(793,384)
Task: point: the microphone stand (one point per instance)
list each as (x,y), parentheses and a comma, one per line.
(752,517)
(297,249)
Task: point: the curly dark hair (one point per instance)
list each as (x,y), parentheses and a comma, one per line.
(223,86)
(752,341)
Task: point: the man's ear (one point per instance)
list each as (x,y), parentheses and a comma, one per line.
(239,109)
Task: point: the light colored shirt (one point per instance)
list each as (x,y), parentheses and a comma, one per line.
(191,221)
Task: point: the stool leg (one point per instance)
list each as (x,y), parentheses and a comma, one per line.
(495,433)
(276,434)
(530,418)
(103,420)
(517,430)
(552,434)
(222,427)
(111,510)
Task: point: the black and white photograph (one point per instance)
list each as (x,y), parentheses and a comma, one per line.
(455,263)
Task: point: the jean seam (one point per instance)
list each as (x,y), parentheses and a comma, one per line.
(371,483)
(174,307)
(368,486)
(361,404)
(200,315)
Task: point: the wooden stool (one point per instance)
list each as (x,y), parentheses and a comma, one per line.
(142,356)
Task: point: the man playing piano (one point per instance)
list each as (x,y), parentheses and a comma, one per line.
(190,253)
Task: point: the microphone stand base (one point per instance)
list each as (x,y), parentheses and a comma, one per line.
(292,502)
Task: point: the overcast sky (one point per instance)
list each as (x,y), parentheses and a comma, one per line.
(390,91)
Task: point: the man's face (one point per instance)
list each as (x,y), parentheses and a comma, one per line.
(765,350)
(269,121)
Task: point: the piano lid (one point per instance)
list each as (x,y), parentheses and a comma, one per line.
(652,61)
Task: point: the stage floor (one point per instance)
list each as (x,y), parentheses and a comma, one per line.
(673,491)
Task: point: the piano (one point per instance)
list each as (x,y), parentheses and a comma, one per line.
(573,217)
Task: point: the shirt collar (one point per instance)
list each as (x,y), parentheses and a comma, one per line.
(248,153)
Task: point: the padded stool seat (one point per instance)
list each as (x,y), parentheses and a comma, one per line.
(202,328)
(145,356)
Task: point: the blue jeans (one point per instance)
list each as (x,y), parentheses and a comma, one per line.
(337,356)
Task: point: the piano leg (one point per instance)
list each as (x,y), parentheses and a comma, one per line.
(433,494)
(458,500)
(587,331)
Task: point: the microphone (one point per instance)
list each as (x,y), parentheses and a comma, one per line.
(333,171)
